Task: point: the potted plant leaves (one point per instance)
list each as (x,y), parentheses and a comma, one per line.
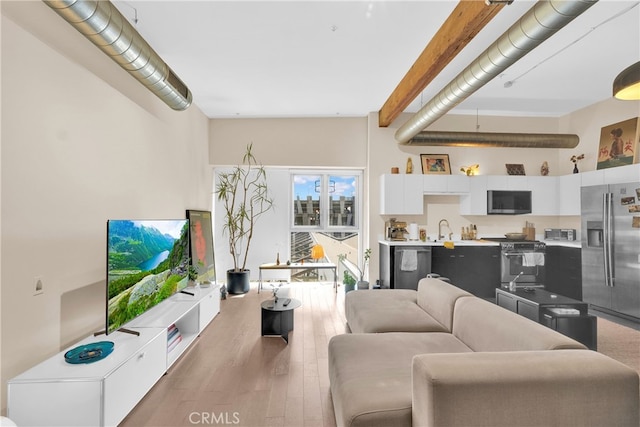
(348,281)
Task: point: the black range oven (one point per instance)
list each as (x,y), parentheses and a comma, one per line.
(522,261)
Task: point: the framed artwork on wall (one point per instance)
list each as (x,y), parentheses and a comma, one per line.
(619,144)
(435,164)
(201,245)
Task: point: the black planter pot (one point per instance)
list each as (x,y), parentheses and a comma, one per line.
(238,281)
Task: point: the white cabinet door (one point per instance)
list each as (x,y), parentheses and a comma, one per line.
(543,195)
(458,184)
(401,194)
(475,201)
(209,307)
(518,182)
(435,184)
(127,385)
(446,184)
(507,182)
(413,195)
(568,194)
(497,182)
(391,194)
(622,174)
(592,178)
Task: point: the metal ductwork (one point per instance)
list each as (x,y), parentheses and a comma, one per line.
(488,139)
(104,25)
(542,21)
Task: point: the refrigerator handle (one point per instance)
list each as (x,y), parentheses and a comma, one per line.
(606,216)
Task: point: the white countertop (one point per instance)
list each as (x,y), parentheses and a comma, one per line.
(564,243)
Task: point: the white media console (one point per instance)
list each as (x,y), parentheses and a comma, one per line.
(102,393)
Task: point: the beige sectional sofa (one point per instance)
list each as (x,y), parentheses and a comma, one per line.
(468,362)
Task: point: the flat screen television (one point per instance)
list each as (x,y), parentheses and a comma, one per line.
(147,262)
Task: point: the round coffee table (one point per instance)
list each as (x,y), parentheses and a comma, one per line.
(277,318)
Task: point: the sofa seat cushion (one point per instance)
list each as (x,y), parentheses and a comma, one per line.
(388,310)
(484,326)
(370,374)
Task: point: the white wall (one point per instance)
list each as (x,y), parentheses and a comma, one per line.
(77,150)
(300,142)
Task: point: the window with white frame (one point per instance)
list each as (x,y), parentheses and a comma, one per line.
(326,211)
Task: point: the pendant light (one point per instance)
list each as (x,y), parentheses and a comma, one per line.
(627,85)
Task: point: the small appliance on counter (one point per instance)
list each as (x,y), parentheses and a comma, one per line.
(413,232)
(559,234)
(395,230)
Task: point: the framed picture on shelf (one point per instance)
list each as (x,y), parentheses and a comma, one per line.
(619,144)
(201,245)
(435,164)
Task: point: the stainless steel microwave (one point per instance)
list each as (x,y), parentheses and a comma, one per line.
(508,202)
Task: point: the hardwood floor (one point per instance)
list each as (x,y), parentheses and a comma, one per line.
(231,375)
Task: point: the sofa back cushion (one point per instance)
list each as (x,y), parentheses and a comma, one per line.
(438,298)
(484,326)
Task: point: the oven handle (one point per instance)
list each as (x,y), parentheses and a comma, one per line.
(519,253)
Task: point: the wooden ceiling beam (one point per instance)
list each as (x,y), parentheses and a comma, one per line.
(462,25)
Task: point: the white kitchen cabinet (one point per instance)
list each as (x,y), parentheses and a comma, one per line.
(543,195)
(497,182)
(592,178)
(622,174)
(507,182)
(568,194)
(446,184)
(518,182)
(475,201)
(102,393)
(401,194)
(618,175)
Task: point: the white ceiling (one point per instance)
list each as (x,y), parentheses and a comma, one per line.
(344,58)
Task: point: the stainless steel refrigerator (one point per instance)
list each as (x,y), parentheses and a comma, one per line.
(611,247)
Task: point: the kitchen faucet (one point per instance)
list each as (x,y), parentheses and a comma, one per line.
(512,284)
(440,224)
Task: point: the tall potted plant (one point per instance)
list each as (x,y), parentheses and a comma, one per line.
(245,197)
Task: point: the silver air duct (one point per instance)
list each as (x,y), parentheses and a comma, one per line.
(488,139)
(104,25)
(542,21)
